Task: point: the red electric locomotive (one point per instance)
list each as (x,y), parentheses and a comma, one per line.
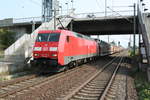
(58,48)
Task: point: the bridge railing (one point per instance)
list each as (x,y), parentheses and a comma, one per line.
(79,15)
(107,14)
(27,20)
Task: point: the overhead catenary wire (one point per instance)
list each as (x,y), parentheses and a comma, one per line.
(120,15)
(99,4)
(35,2)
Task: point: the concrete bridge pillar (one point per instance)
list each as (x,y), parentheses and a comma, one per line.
(148,73)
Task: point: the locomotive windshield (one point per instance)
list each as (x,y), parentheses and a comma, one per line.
(48,37)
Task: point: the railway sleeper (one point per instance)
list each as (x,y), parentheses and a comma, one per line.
(88,94)
(80,99)
(13,86)
(111,93)
(113,88)
(2,91)
(100,80)
(25,83)
(93,89)
(19,85)
(95,84)
(77,97)
(110,97)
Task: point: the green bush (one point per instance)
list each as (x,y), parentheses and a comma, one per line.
(6,38)
(142,86)
(131,52)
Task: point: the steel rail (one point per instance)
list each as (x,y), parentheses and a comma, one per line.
(51,78)
(17,80)
(95,75)
(26,78)
(110,82)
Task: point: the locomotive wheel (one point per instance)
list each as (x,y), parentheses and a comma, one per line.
(85,61)
(71,65)
(33,64)
(66,68)
(82,61)
(76,63)
(91,59)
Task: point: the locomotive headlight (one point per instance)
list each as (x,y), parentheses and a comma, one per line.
(53,48)
(36,54)
(37,48)
(54,55)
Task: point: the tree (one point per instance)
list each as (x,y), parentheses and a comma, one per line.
(113,42)
(7,37)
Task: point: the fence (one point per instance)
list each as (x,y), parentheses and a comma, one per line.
(105,14)
(78,15)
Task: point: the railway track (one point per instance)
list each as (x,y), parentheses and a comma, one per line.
(17,80)
(110,90)
(97,86)
(120,87)
(28,83)
(21,84)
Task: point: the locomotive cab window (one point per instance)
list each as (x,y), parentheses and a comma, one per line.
(42,37)
(54,37)
(48,37)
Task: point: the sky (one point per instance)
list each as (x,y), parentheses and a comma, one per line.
(123,39)
(33,8)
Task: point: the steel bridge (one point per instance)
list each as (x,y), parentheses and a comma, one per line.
(86,23)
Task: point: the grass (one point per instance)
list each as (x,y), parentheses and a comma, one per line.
(140,78)
(142,85)
(1,53)
(141,81)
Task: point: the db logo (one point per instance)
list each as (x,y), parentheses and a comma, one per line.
(45,49)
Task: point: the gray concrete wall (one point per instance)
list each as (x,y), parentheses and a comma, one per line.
(147,26)
(6,22)
(9,68)
(20,31)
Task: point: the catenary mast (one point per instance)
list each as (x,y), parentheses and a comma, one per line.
(47,12)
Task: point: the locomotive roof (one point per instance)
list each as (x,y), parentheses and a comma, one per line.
(59,31)
(50,31)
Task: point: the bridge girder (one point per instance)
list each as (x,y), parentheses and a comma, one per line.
(116,26)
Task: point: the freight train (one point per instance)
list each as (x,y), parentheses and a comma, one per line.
(63,49)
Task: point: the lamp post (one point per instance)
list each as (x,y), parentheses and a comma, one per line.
(60,10)
(72,3)
(134,30)
(33,25)
(54,14)
(134,26)
(67,7)
(105,8)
